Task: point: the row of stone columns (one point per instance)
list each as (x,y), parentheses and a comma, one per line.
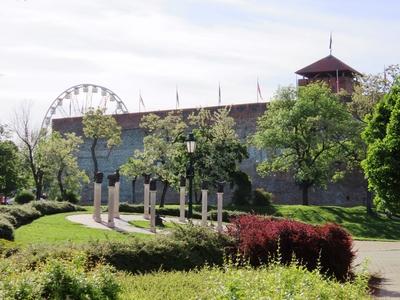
(113,198)
(182,201)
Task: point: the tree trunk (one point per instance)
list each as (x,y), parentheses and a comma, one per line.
(304,189)
(134,189)
(94,158)
(164,192)
(60,184)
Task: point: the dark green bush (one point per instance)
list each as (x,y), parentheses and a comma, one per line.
(24,196)
(23,214)
(53,207)
(187,248)
(169,211)
(242,192)
(6,229)
(70,196)
(262,197)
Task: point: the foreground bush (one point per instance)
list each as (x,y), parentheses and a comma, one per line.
(261,240)
(267,282)
(58,279)
(24,196)
(14,216)
(186,248)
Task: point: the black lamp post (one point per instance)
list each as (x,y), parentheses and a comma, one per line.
(191,147)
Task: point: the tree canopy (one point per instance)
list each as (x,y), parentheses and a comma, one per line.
(382,164)
(303,132)
(98,126)
(11,177)
(57,155)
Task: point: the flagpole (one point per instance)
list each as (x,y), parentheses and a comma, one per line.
(337,81)
(257,89)
(330,44)
(177,97)
(219,93)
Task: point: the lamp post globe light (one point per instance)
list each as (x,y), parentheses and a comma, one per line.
(191,147)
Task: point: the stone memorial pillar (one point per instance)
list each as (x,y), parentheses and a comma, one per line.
(182,196)
(153,194)
(220,198)
(111,194)
(146,194)
(116,196)
(98,179)
(204,199)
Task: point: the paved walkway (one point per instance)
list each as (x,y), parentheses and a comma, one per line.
(121,224)
(384,261)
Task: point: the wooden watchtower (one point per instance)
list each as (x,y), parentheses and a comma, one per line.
(338,75)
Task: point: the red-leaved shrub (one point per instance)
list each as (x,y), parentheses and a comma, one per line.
(258,240)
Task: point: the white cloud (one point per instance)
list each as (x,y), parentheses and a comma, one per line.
(47,46)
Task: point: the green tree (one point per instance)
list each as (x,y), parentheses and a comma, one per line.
(58,156)
(29,138)
(382,164)
(219,149)
(303,132)
(369,89)
(11,177)
(163,150)
(98,126)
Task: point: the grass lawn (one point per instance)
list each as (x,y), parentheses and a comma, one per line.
(55,229)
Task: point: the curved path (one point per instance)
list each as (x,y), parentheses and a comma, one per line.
(121,223)
(384,262)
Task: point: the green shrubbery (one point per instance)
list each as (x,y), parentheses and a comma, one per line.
(14,216)
(227,215)
(24,196)
(58,279)
(274,282)
(262,198)
(242,192)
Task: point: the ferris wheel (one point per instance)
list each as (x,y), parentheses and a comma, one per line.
(79,99)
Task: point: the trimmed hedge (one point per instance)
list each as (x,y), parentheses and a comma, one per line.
(6,229)
(227,215)
(260,240)
(24,196)
(14,216)
(185,248)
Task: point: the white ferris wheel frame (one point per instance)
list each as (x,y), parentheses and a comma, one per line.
(67,95)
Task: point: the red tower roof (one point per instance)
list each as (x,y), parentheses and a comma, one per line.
(329,64)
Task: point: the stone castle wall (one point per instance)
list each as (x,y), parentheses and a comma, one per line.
(348,192)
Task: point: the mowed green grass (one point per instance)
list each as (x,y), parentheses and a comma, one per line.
(56,229)
(355,219)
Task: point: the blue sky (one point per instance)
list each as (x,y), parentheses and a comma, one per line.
(154,45)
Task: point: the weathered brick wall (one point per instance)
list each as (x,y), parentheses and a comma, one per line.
(350,191)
